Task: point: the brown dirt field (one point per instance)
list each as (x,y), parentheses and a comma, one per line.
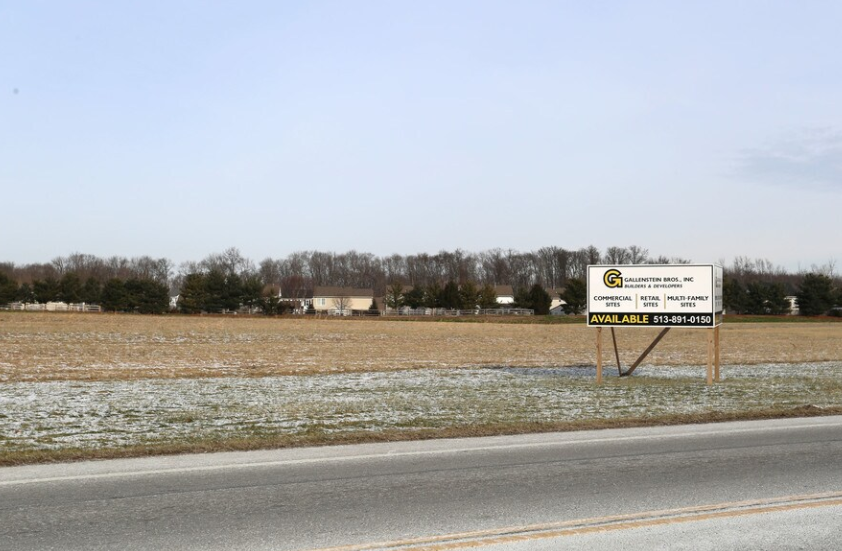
(65,346)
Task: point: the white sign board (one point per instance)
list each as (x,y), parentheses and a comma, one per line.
(655,295)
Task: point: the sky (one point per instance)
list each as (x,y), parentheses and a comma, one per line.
(701,130)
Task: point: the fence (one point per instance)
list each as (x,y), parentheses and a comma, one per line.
(54,307)
(449,312)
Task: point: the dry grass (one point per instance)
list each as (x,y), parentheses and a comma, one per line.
(45,346)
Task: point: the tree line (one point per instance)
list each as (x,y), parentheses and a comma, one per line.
(815,295)
(549,267)
(142,295)
(447,279)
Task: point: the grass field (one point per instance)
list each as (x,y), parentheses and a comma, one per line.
(89,347)
(76,386)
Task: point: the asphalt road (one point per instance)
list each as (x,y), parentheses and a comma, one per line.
(761,485)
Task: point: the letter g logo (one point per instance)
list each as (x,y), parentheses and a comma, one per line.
(612,279)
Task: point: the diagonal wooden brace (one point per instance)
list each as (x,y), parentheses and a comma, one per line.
(616,352)
(646,352)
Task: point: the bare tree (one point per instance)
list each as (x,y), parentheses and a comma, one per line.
(297,264)
(494,267)
(342,303)
(321,268)
(827,269)
(270,271)
(59,263)
(229,262)
(617,255)
(638,255)
(578,264)
(394,268)
(521,269)
(420,270)
(552,266)
(592,255)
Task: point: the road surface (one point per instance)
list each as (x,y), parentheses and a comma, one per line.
(770,484)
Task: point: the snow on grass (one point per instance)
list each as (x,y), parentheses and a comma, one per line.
(108,414)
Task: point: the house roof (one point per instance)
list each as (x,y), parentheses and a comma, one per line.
(327,292)
(297,294)
(504,290)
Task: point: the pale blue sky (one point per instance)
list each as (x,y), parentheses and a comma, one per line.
(704,130)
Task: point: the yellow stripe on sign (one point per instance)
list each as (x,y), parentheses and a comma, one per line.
(513,534)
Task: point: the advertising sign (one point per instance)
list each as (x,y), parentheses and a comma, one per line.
(655,295)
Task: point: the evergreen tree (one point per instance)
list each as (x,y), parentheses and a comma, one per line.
(252,291)
(432,295)
(215,292)
(450,297)
(270,303)
(816,295)
(394,295)
(373,310)
(522,298)
(71,288)
(25,294)
(146,296)
(575,295)
(765,298)
(192,295)
(8,289)
(233,295)
(776,302)
(540,300)
(91,291)
(487,297)
(754,299)
(414,298)
(733,296)
(469,295)
(46,290)
(114,297)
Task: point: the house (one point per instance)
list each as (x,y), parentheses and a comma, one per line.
(556,304)
(341,301)
(292,299)
(298,300)
(505,294)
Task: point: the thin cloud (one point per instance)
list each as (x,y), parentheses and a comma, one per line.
(810,159)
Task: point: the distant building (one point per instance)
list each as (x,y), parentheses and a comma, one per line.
(341,301)
(557,304)
(505,294)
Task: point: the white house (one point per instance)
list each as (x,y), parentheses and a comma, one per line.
(505,294)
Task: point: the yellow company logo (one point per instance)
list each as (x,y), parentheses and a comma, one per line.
(613,278)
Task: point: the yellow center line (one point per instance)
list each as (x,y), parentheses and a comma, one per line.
(512,534)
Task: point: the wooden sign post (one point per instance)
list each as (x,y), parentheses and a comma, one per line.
(599,355)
